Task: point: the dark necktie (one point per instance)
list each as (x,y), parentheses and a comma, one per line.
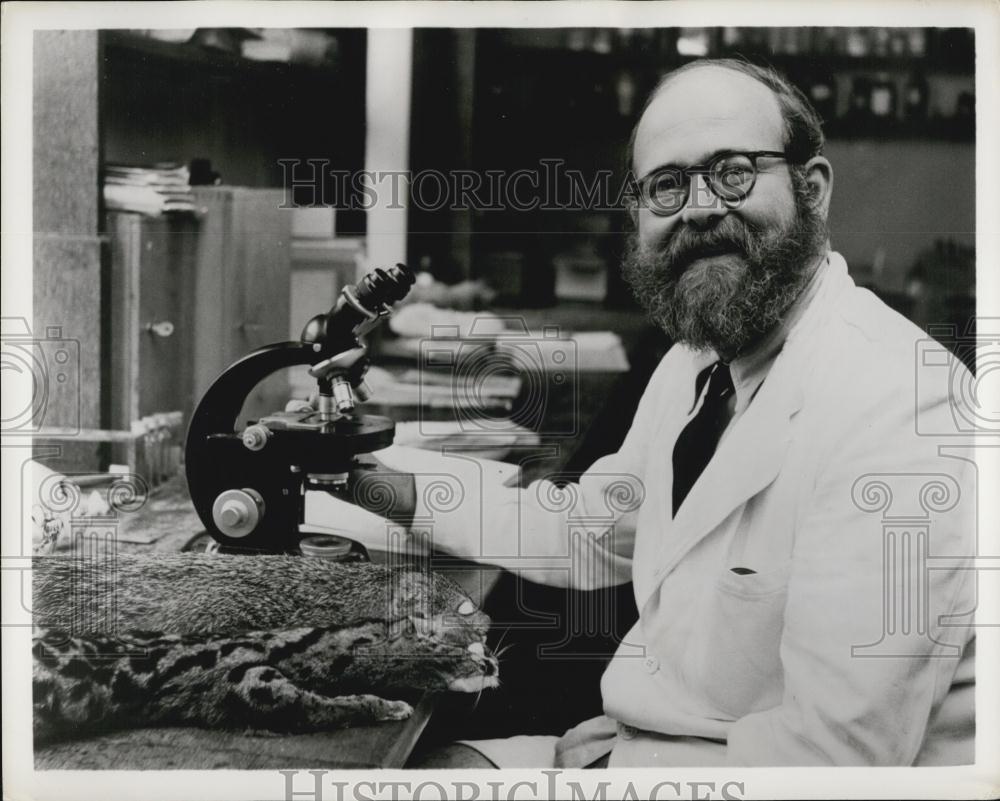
(697,442)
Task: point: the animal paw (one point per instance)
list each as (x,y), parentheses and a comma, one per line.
(395,710)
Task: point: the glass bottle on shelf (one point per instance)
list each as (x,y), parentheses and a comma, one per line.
(774,40)
(624,39)
(899,43)
(790,42)
(883,98)
(857,42)
(825,40)
(654,42)
(601,42)
(917,39)
(577,38)
(692,42)
(915,97)
(859,105)
(625,91)
(880,41)
(755,39)
(822,91)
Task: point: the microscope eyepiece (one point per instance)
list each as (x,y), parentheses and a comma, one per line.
(358,306)
(384,287)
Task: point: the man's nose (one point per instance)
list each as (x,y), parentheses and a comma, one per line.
(703,207)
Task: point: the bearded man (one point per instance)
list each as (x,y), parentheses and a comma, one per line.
(785,619)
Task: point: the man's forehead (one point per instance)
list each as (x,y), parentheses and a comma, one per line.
(703,111)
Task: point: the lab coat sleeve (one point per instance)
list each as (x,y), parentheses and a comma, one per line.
(854,692)
(580,535)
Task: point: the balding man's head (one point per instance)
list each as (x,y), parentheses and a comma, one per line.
(801,127)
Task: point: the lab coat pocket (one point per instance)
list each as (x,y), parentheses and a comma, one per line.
(756,584)
(736,665)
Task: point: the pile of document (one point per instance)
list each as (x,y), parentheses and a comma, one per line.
(151,190)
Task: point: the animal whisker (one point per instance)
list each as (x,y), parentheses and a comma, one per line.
(500,641)
(499,653)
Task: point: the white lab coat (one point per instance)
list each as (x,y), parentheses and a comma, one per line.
(812,488)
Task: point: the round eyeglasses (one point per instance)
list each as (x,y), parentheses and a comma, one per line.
(730,175)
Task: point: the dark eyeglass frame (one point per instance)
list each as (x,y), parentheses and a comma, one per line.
(641,193)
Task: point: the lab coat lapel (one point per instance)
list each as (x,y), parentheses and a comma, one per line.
(747,460)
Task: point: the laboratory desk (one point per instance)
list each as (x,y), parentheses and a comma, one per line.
(167,522)
(535,696)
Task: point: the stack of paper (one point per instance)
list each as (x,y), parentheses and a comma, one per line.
(600,351)
(470,440)
(149,190)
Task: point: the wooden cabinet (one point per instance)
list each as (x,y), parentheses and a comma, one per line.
(190,294)
(241,287)
(150,315)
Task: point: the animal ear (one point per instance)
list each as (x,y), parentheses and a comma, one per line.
(466,607)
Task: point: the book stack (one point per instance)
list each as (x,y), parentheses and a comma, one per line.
(151,190)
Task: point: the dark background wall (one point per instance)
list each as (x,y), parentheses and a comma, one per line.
(900,196)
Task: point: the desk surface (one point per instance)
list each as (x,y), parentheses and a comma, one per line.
(386,745)
(166,523)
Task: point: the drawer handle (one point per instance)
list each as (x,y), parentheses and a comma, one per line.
(164,328)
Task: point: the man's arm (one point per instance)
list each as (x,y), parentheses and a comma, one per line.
(580,535)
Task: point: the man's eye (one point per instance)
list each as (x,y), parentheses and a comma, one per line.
(666,183)
(734,173)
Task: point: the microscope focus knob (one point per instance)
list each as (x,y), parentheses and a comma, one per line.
(255,437)
(238,511)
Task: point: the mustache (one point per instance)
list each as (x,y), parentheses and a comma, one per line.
(686,244)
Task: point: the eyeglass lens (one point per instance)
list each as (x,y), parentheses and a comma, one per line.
(730,178)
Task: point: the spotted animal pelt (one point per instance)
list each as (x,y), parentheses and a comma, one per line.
(299,679)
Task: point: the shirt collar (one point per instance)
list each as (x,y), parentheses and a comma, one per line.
(749,369)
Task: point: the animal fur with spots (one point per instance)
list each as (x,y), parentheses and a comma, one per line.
(300,679)
(275,642)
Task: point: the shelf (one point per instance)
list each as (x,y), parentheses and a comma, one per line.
(195,55)
(834,62)
(838,62)
(939,57)
(175,101)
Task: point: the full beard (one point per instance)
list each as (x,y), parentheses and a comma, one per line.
(725,287)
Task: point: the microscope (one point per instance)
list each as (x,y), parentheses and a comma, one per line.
(248,486)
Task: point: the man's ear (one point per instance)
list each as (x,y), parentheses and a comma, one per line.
(819,177)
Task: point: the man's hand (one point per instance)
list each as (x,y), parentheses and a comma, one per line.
(380,489)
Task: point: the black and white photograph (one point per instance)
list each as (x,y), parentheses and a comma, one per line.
(469,400)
